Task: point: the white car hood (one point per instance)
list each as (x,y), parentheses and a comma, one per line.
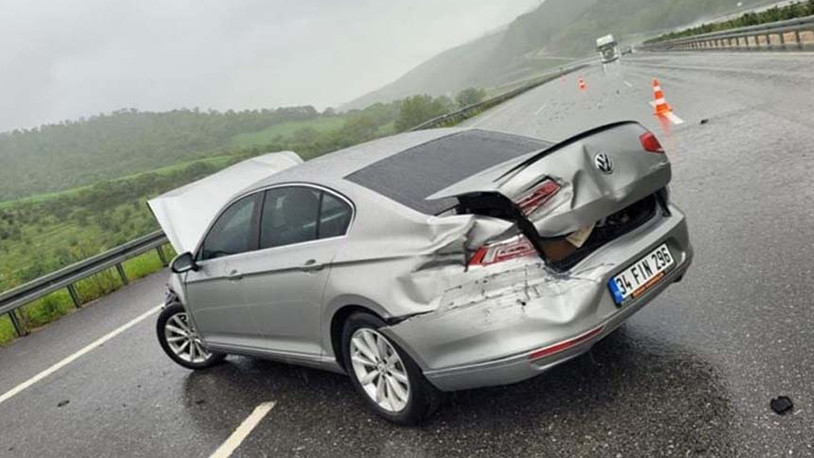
(185,213)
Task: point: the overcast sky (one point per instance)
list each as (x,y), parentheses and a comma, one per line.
(69,58)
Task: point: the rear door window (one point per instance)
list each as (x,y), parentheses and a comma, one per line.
(297,214)
(290,216)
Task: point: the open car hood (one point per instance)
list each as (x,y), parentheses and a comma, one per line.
(185,213)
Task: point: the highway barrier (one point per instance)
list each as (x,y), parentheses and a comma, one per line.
(792,34)
(67,277)
(465,113)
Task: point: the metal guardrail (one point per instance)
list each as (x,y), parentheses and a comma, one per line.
(66,277)
(738,39)
(465,113)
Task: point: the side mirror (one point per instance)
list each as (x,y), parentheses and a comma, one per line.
(184,262)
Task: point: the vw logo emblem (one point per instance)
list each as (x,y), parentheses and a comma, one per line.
(603,163)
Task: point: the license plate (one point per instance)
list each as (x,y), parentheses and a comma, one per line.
(641,275)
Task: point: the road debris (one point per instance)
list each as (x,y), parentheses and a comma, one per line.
(63,403)
(781,405)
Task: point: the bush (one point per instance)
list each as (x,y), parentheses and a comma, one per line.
(470,96)
(421,108)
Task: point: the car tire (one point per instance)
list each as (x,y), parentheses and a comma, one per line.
(389,376)
(180,341)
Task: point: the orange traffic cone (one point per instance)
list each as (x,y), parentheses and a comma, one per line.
(661,106)
(581,83)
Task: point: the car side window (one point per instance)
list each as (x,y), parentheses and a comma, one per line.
(334,216)
(289,216)
(233,232)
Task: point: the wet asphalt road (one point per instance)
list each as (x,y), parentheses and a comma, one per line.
(691,374)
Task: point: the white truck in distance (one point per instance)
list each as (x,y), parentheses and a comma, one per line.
(608,49)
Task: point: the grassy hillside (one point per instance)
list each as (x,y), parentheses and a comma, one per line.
(75,153)
(547,37)
(287,129)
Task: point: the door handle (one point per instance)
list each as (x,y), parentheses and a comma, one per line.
(312,266)
(234,275)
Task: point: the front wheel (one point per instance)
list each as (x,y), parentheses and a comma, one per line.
(180,340)
(389,381)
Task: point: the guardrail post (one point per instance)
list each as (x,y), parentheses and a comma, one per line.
(768,41)
(161,255)
(122,274)
(782,41)
(18,326)
(74,295)
(797,37)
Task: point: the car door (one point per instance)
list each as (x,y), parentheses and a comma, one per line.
(301,229)
(215,295)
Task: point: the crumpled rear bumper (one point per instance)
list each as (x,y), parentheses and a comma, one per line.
(487,333)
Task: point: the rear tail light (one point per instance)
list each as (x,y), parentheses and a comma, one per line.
(650,143)
(516,247)
(540,195)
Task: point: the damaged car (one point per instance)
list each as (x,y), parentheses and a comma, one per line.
(422,263)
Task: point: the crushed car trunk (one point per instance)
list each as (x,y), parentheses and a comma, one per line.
(569,199)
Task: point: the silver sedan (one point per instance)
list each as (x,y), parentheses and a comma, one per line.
(422,263)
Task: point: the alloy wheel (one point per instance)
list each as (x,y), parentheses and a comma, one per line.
(183,340)
(379,370)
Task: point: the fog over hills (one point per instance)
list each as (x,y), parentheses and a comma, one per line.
(546,37)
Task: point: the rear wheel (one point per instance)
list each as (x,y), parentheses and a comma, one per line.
(386,377)
(180,340)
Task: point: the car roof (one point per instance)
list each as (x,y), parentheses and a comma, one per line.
(410,166)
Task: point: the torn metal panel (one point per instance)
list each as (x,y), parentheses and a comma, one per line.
(586,192)
(523,304)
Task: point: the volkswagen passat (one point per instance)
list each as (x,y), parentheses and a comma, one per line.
(422,263)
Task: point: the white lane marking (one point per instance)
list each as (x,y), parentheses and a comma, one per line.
(627,84)
(96,343)
(243,431)
(675,119)
(537,113)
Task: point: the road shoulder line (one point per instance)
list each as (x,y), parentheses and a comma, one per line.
(73,357)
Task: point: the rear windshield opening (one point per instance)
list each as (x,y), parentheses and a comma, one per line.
(412,175)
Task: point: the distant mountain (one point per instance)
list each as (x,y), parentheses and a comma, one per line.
(547,37)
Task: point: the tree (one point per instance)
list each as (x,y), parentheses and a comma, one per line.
(470,96)
(360,128)
(420,108)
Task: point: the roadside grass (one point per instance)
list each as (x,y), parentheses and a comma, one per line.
(58,304)
(6,330)
(287,129)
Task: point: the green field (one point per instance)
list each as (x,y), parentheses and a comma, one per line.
(287,129)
